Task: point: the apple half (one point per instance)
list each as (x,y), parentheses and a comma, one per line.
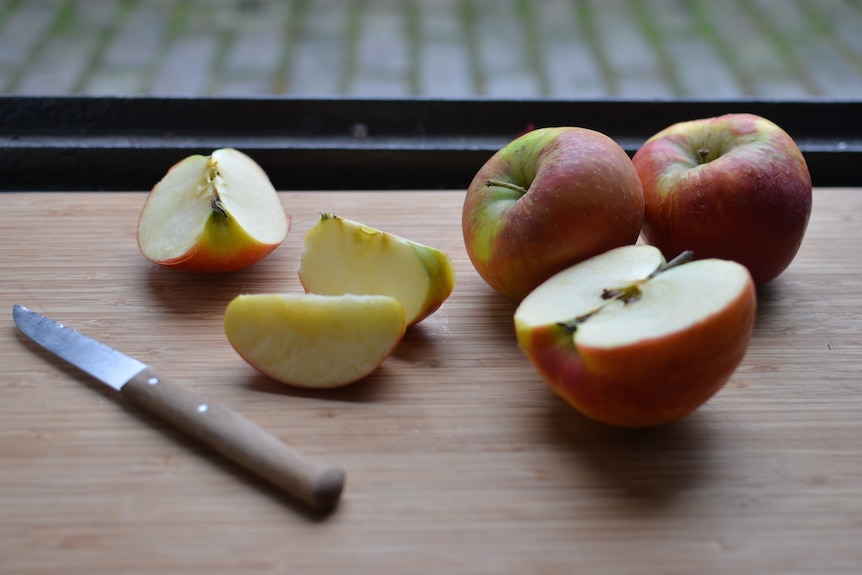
(342,256)
(215,213)
(633,341)
(314,341)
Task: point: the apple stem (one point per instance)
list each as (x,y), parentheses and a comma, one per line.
(509,185)
(702,155)
(682,258)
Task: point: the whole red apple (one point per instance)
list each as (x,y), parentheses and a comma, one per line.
(549,199)
(733,187)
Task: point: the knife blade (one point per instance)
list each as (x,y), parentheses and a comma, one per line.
(222,429)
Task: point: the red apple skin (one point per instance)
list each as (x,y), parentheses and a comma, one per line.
(750,202)
(653,382)
(583,197)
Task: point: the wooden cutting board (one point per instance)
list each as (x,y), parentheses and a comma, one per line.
(458,458)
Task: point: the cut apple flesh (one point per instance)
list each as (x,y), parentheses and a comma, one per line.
(314,341)
(212,213)
(630,343)
(343,256)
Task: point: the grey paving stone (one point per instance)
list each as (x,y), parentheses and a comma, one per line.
(59,67)
(698,68)
(318,65)
(635,67)
(445,68)
(756,59)
(441,21)
(503,54)
(186,69)
(317,69)
(382,52)
(700,71)
(23,30)
(257,50)
(238,87)
(569,65)
(439,48)
(445,71)
(831,73)
(94,15)
(843,20)
(139,38)
(117,82)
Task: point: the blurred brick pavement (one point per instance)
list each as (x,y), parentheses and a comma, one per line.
(434,48)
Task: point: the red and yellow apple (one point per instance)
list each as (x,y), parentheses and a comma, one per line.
(547,200)
(215,213)
(732,187)
(314,341)
(342,256)
(633,341)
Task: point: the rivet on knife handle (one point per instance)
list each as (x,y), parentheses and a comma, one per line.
(237,438)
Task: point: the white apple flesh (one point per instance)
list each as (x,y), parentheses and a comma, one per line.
(343,256)
(314,341)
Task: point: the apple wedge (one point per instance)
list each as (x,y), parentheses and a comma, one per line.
(216,213)
(342,256)
(314,341)
(630,340)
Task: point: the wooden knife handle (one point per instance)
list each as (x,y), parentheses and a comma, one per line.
(237,438)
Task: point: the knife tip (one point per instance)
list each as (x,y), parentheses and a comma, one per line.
(18,309)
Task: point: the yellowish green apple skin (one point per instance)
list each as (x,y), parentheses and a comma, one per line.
(631,341)
(314,341)
(547,200)
(344,256)
(733,187)
(216,213)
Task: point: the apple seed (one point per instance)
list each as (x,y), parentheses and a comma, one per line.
(216,205)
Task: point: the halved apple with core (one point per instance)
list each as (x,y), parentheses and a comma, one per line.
(314,341)
(343,256)
(214,213)
(631,340)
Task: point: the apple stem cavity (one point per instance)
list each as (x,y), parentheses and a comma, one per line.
(508,185)
(627,295)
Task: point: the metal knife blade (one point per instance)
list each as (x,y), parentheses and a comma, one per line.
(102,362)
(217,426)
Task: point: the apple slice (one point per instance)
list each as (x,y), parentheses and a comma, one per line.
(632,341)
(214,213)
(314,341)
(343,256)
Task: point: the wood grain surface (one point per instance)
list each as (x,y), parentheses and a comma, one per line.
(458,458)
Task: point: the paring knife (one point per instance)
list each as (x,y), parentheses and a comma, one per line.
(237,438)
